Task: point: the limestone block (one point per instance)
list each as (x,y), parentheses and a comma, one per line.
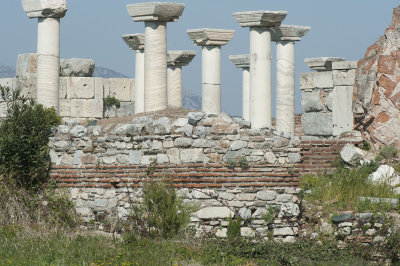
(267,195)
(135,157)
(65,88)
(173,155)
(344,77)
(238,144)
(311,101)
(214,213)
(45,8)
(78,131)
(26,65)
(82,88)
(262,18)
(317,124)
(65,107)
(27,86)
(126,109)
(342,109)
(344,65)
(81,108)
(289,210)
(322,63)
(385,174)
(76,67)
(351,154)
(120,89)
(155,11)
(321,80)
(193,156)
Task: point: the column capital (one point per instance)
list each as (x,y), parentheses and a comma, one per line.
(155,11)
(210,37)
(322,63)
(260,18)
(180,58)
(134,41)
(289,32)
(240,61)
(45,8)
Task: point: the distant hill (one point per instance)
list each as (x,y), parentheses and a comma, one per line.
(190,100)
(7,71)
(103,72)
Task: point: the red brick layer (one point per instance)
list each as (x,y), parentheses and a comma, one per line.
(318,154)
(185,176)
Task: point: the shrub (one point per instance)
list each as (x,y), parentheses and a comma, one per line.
(110,101)
(388,152)
(162,214)
(233,230)
(244,164)
(24,137)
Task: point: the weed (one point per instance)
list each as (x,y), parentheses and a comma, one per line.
(388,152)
(244,164)
(270,215)
(231,164)
(233,229)
(110,101)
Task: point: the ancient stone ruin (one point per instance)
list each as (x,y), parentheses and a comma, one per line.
(228,166)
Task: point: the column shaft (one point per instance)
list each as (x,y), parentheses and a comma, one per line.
(155,81)
(246,94)
(174,86)
(211,79)
(285,86)
(260,77)
(139,82)
(48,65)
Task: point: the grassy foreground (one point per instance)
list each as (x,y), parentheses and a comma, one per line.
(32,247)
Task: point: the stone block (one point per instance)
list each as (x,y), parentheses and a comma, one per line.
(344,77)
(65,107)
(343,65)
(101,88)
(311,101)
(82,88)
(317,124)
(27,85)
(76,67)
(135,157)
(120,89)
(173,155)
(193,156)
(321,80)
(267,195)
(215,213)
(126,109)
(65,88)
(26,65)
(81,108)
(351,154)
(342,109)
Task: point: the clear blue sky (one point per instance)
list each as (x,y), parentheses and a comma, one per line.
(93,29)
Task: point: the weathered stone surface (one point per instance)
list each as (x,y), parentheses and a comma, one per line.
(174,156)
(317,124)
(286,231)
(87,108)
(342,218)
(183,142)
(193,156)
(78,131)
(385,174)
(45,8)
(155,11)
(267,195)
(322,63)
(351,154)
(311,101)
(75,67)
(126,109)
(195,117)
(294,157)
(321,80)
(289,210)
(237,145)
(344,77)
(214,213)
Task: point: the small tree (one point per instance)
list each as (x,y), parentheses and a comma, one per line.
(24,137)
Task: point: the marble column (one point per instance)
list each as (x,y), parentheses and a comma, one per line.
(211,41)
(136,42)
(243,62)
(175,61)
(155,15)
(260,23)
(48,14)
(285,36)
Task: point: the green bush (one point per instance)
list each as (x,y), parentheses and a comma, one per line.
(110,101)
(388,152)
(233,230)
(162,214)
(24,137)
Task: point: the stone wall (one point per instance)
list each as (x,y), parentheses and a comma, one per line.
(377,91)
(81,95)
(107,164)
(327,97)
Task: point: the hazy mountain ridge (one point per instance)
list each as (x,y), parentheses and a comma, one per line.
(190,100)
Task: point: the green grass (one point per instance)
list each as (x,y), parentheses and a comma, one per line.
(21,246)
(342,189)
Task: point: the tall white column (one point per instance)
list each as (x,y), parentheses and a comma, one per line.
(285,87)
(174,86)
(211,79)
(243,62)
(155,15)
(176,60)
(211,41)
(285,36)
(260,23)
(136,42)
(48,14)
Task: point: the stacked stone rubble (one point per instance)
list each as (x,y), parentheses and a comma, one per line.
(327,97)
